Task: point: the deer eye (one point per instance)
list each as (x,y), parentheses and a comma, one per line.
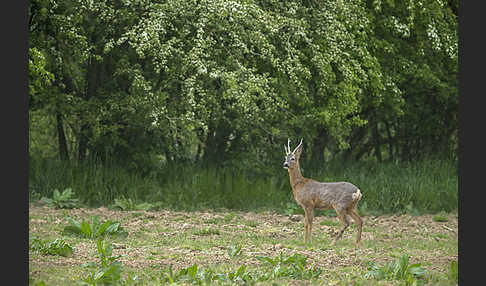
(292,159)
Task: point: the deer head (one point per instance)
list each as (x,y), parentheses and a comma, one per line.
(291,158)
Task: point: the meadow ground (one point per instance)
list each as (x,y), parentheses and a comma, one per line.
(158,239)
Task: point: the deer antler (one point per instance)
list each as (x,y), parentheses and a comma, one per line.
(297,146)
(287,149)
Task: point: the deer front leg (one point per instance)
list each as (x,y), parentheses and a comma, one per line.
(309,216)
(306,225)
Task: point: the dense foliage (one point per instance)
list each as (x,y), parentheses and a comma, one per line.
(227,82)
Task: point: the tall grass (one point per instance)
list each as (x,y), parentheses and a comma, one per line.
(425,186)
(191,187)
(94,184)
(429,185)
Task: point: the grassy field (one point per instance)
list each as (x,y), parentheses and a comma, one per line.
(244,248)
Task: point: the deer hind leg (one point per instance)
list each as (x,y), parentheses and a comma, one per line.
(359,222)
(344,220)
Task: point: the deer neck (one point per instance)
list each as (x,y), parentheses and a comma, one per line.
(296,177)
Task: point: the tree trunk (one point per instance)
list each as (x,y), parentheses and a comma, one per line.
(61,136)
(405,150)
(355,142)
(377,143)
(198,153)
(93,75)
(62,142)
(390,143)
(215,150)
(365,148)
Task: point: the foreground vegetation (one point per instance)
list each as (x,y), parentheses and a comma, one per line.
(426,186)
(230,247)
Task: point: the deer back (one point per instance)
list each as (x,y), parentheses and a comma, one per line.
(340,195)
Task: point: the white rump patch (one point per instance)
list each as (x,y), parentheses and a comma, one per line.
(356,196)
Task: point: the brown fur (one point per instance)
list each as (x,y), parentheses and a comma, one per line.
(343,197)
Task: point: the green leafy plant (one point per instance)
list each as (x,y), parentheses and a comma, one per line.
(239,277)
(95,229)
(193,274)
(234,251)
(292,208)
(189,274)
(398,270)
(62,200)
(125,204)
(39,283)
(109,272)
(453,271)
(229,217)
(293,266)
(184,274)
(411,209)
(56,247)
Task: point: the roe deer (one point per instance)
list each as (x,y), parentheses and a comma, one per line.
(309,194)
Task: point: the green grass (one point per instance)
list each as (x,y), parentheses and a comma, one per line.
(330,223)
(440,217)
(207,231)
(94,184)
(427,186)
(272,252)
